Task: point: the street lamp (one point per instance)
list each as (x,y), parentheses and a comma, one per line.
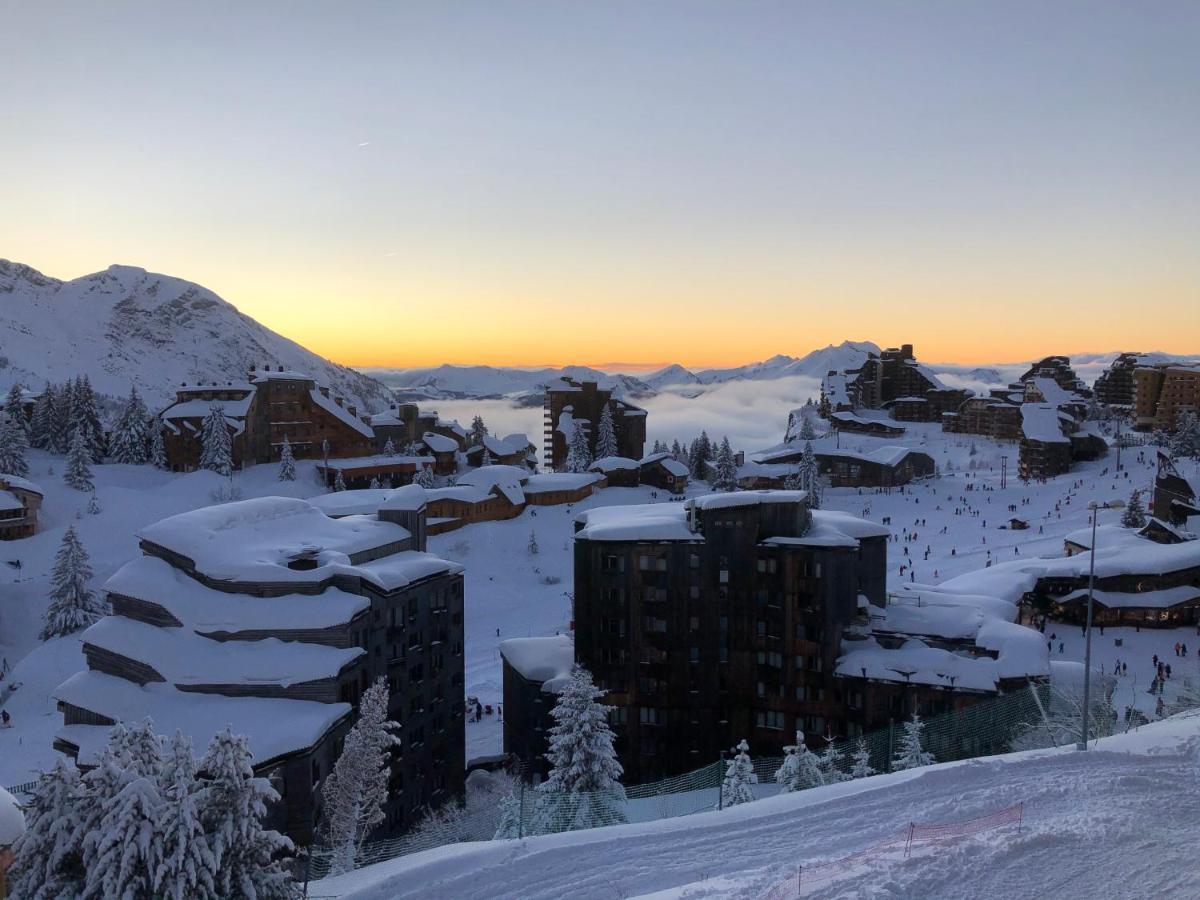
(1087,653)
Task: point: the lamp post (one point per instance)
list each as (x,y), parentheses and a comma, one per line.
(1087,652)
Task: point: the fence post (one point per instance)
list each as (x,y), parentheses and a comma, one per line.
(799,878)
(521,806)
(721,782)
(887,763)
(1020,815)
(908,843)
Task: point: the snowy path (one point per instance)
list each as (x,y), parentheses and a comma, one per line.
(1109,824)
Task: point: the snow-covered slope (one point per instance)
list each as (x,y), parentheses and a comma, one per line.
(846,355)
(126,325)
(447,382)
(1116,821)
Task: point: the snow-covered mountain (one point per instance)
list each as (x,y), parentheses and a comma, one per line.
(448,382)
(846,355)
(126,325)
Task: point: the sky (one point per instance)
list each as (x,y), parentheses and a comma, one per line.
(707,183)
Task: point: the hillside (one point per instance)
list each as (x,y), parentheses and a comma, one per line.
(126,325)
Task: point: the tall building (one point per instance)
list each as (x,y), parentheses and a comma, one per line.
(1162,392)
(271,617)
(895,381)
(1115,385)
(720,619)
(573,404)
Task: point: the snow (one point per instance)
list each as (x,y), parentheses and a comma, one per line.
(546,482)
(1053,393)
(650,522)
(1042,422)
(409,498)
(439,443)
(1163,599)
(735,499)
(340,412)
(545,659)
(12,821)
(670,463)
(353,463)
(10,502)
(361,502)
(508,480)
(614,464)
(402,569)
(21,484)
(234,410)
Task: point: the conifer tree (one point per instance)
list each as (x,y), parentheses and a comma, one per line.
(374,485)
(509,827)
(910,754)
(676,450)
(84,418)
(356,789)
(14,409)
(725,477)
(533,544)
(42,422)
(127,845)
(478,430)
(1185,439)
(1134,515)
(389,449)
(99,791)
(800,768)
(187,869)
(78,471)
(47,861)
(158,449)
(233,803)
(810,476)
(424,476)
(862,767)
(73,606)
(287,462)
(579,457)
(129,437)
(739,775)
(93,506)
(339,481)
(583,788)
(485,458)
(216,453)
(60,424)
(606,435)
(806,428)
(829,761)
(12,448)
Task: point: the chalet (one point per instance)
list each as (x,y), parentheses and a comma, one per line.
(572,404)
(513,450)
(663,471)
(852,422)
(557,488)
(405,424)
(881,467)
(1175,497)
(20,500)
(618,471)
(361,471)
(444,451)
(271,617)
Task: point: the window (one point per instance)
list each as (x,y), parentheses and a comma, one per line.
(761,628)
(694,654)
(694,592)
(801,662)
(618,715)
(769,718)
(694,623)
(649,716)
(612,563)
(694,561)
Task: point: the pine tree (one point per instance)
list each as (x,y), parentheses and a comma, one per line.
(130,437)
(810,476)
(287,462)
(187,869)
(14,409)
(41,423)
(356,789)
(1135,514)
(739,775)
(830,763)
(233,803)
(158,449)
(509,827)
(78,471)
(606,434)
(676,450)
(389,449)
(60,423)
(339,481)
(725,477)
(862,767)
(800,768)
(84,418)
(532,547)
(93,506)
(72,605)
(47,861)
(579,457)
(128,847)
(910,754)
(478,431)
(485,459)
(806,429)
(583,788)
(216,452)
(98,793)
(12,448)
(1185,439)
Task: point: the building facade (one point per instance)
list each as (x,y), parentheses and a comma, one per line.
(573,404)
(1162,392)
(20,500)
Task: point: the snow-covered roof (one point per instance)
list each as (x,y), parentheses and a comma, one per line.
(279,375)
(387,417)
(340,412)
(21,484)
(409,498)
(560,481)
(206,610)
(1052,392)
(402,569)
(12,820)
(614,464)
(379,460)
(927,373)
(362,502)
(643,522)
(831,528)
(10,501)
(439,443)
(275,727)
(545,659)
(198,409)
(670,463)
(1161,599)
(916,662)
(1041,422)
(508,480)
(254,540)
(506,446)
(734,499)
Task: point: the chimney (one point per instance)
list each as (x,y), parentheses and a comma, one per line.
(353,410)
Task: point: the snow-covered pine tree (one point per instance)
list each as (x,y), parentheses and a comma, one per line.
(725,478)
(128,845)
(810,476)
(186,868)
(216,445)
(739,775)
(829,761)
(374,484)
(677,450)
(78,471)
(910,754)
(1185,439)
(99,790)
(800,768)
(72,605)
(14,409)
(583,788)
(606,434)
(532,546)
(478,431)
(806,428)
(158,449)
(579,457)
(389,449)
(60,424)
(509,827)
(1134,515)
(130,438)
(13,444)
(287,462)
(41,423)
(862,767)
(339,481)
(233,803)
(485,458)
(47,861)
(93,506)
(85,418)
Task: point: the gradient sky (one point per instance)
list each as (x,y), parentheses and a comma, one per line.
(706,183)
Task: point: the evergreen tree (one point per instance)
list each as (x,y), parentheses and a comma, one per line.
(99,791)
(216,453)
(47,862)
(14,409)
(485,458)
(78,471)
(579,457)
(42,422)
(806,428)
(93,506)
(424,476)
(84,418)
(158,449)
(287,462)
(509,827)
(374,485)
(339,481)
(606,434)
(830,763)
(1134,515)
(128,847)
(232,806)
(725,478)
(910,754)
(739,775)
(676,450)
(800,768)
(478,431)
(583,789)
(356,789)
(389,449)
(60,423)
(186,869)
(862,767)
(12,448)
(130,437)
(533,544)
(1185,439)
(72,605)
(810,476)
